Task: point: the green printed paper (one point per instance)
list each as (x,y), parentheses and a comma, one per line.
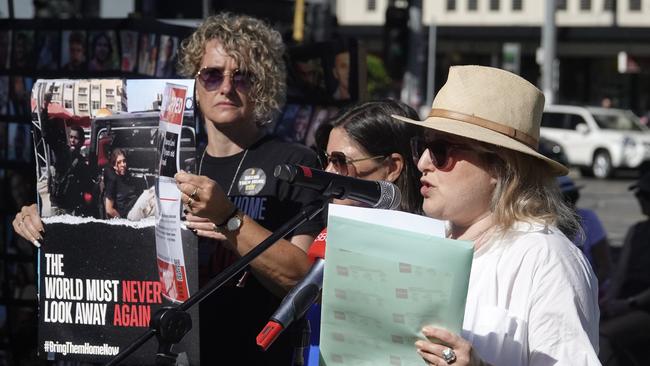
(388,274)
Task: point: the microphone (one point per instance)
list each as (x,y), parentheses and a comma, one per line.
(300,298)
(377,194)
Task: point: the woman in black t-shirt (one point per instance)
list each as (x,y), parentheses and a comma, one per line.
(120,192)
(240,74)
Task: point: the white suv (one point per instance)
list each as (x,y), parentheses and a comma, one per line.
(597,140)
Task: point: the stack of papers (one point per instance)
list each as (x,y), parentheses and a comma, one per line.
(388,274)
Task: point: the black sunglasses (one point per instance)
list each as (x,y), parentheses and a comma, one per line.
(439,151)
(212,78)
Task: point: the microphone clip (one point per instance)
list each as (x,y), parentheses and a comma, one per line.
(170,325)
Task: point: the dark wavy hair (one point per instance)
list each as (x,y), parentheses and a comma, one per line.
(371,126)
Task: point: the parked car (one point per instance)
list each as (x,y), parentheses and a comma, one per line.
(597,140)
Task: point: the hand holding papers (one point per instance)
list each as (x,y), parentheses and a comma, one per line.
(387,275)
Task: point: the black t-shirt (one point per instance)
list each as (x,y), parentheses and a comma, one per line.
(232,317)
(71,180)
(121,189)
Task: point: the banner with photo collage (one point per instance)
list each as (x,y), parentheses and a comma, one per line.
(33,49)
(323,79)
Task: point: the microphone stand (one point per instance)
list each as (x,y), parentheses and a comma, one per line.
(170,323)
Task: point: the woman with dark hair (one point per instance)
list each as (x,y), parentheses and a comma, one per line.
(102,53)
(365,142)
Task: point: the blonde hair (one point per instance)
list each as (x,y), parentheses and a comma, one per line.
(528,192)
(526,189)
(256,48)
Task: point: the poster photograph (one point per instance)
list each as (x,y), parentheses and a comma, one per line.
(73,50)
(48,46)
(129,50)
(98,161)
(104,53)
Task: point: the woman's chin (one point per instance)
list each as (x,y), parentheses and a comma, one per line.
(433,212)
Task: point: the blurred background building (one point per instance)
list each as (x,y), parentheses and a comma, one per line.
(602,47)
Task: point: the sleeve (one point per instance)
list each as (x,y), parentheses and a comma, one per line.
(620,270)
(594,229)
(304,156)
(563,316)
(110,186)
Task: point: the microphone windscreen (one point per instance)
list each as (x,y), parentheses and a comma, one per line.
(390,197)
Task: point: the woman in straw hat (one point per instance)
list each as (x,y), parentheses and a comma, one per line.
(532,297)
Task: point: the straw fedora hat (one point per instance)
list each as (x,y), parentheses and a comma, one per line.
(490,105)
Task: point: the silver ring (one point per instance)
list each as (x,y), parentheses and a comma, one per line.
(189,202)
(449,355)
(193,195)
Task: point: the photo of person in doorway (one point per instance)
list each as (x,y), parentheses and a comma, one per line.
(48,47)
(103,51)
(73,50)
(5,49)
(23,50)
(147,54)
(341,73)
(129,47)
(167,56)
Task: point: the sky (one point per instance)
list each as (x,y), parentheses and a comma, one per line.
(141,93)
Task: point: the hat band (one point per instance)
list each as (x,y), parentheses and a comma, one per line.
(505,130)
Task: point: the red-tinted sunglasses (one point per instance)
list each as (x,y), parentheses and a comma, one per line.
(439,151)
(212,78)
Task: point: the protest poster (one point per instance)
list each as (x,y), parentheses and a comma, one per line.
(98,296)
(98,145)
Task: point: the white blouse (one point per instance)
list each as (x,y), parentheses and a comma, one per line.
(532,300)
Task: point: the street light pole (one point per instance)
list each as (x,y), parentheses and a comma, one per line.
(205,8)
(431,68)
(549,50)
(411,93)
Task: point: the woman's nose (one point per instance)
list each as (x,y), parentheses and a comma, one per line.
(425,163)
